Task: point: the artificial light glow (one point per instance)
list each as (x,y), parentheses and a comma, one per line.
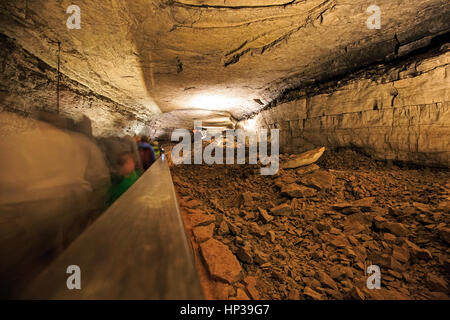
(215,101)
(250,125)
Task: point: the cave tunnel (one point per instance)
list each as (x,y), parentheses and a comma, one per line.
(225,149)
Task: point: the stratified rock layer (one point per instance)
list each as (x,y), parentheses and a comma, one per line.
(233,56)
(403,115)
(28,86)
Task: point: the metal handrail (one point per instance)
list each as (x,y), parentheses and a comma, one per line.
(138,249)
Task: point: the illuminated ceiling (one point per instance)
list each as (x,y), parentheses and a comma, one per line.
(220,55)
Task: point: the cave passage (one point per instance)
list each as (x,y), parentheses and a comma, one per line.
(225,150)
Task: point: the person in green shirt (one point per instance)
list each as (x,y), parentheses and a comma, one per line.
(127,175)
(156,148)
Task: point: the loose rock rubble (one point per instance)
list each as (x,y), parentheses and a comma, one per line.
(310,232)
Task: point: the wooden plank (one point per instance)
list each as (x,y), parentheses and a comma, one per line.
(137,249)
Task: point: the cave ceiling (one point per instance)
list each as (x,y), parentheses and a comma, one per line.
(232,56)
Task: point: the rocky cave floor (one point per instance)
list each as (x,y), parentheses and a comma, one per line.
(311,235)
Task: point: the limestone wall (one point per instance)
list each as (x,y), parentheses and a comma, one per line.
(402,115)
(28,86)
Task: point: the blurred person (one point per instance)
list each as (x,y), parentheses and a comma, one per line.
(53,183)
(112,147)
(146,152)
(156,148)
(126,175)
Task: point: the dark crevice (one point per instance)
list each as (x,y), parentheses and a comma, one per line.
(258,101)
(179,65)
(372,70)
(235,58)
(207,6)
(277,41)
(397,45)
(237,49)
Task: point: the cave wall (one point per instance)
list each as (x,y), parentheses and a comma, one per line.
(28,86)
(399,113)
(166,55)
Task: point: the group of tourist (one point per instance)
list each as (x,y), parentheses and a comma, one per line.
(127,173)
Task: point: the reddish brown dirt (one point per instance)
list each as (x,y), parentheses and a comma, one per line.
(366,212)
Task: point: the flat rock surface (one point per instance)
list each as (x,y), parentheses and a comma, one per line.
(303,159)
(221,262)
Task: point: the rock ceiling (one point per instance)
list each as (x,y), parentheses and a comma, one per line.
(219,55)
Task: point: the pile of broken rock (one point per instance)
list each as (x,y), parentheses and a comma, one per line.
(310,233)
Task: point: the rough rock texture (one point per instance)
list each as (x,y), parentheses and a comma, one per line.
(222,61)
(221,262)
(28,86)
(232,56)
(318,248)
(401,113)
